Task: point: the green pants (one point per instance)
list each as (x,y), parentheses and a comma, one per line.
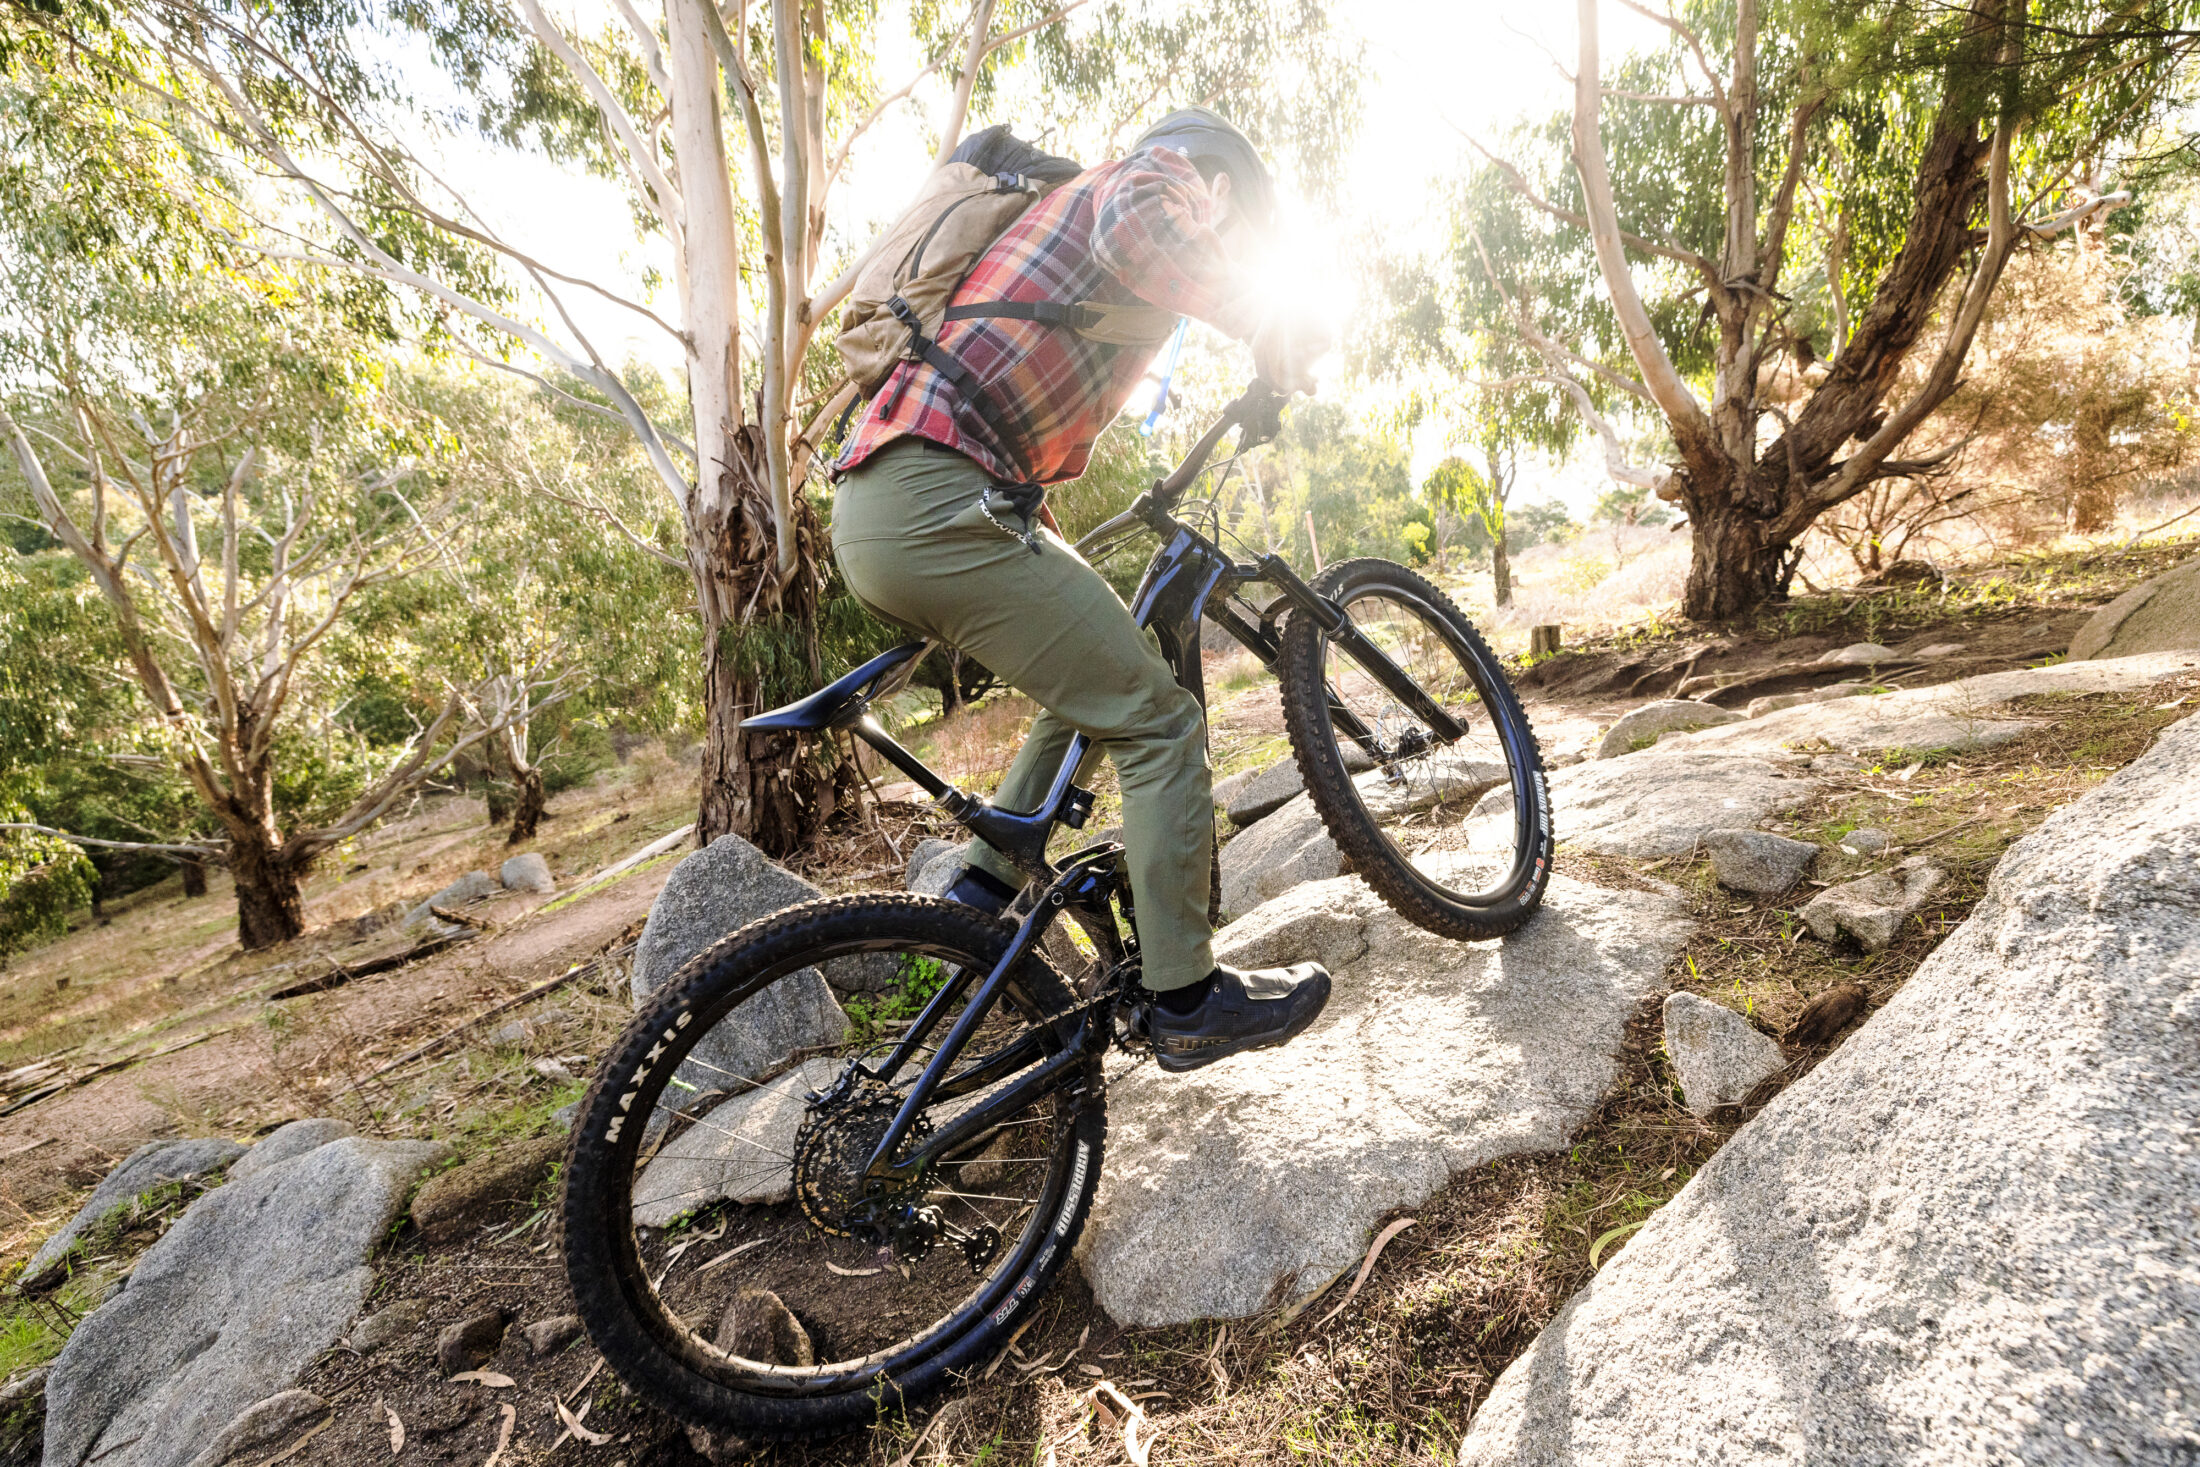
(917,549)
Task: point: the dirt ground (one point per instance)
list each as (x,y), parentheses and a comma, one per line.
(1395,1376)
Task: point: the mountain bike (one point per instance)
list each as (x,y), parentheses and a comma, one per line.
(785,1249)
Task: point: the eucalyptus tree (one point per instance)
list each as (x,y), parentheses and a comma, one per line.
(206,434)
(1785,205)
(667,102)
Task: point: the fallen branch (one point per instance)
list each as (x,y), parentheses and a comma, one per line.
(448,1036)
(340,974)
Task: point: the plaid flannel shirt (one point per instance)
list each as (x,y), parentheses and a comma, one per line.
(1139,230)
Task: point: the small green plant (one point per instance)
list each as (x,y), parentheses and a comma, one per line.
(916,979)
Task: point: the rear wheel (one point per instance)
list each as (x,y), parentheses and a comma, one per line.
(727,1253)
(1453,832)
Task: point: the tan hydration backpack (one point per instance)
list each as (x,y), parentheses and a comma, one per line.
(900,298)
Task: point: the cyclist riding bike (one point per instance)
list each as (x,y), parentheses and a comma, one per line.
(939,526)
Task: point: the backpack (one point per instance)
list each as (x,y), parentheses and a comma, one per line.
(901,292)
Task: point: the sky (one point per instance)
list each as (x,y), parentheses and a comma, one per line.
(1435,68)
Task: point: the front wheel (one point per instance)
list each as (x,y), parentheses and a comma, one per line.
(1450,826)
(728,1252)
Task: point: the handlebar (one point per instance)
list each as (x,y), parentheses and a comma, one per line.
(1259,412)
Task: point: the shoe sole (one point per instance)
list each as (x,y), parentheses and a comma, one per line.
(1178,1064)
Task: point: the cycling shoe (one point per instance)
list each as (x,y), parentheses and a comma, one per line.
(1243,1010)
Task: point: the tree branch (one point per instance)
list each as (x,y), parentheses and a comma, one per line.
(1691,428)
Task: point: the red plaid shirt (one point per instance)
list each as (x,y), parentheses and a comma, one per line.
(1135,231)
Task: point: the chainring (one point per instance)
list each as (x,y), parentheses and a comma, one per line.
(832,1150)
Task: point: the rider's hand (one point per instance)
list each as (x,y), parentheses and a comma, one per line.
(1286,347)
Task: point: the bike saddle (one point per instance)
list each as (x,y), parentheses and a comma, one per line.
(841,703)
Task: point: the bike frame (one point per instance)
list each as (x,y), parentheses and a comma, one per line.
(1189,580)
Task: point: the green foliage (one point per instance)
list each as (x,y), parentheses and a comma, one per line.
(1629,504)
(42,881)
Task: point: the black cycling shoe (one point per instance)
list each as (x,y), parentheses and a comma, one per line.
(981,889)
(1243,1010)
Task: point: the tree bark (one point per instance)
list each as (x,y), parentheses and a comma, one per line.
(527,810)
(757,623)
(1501,575)
(194,877)
(271,905)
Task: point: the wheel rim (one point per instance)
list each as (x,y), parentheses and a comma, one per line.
(725,1203)
(1454,812)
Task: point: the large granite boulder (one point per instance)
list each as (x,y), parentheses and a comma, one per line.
(1968,1236)
(742,1150)
(1433,1057)
(145,1170)
(252,1283)
(1288,848)
(2161,615)
(710,894)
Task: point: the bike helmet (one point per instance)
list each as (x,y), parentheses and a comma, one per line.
(1208,139)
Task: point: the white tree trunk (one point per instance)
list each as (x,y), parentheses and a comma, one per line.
(711,309)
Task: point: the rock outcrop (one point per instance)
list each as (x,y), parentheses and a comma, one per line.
(2160,615)
(1641,727)
(285,1142)
(743,1150)
(1969,1235)
(1434,1056)
(1969,713)
(1287,849)
(1663,802)
(252,1283)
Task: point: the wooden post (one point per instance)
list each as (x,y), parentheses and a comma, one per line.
(1544,641)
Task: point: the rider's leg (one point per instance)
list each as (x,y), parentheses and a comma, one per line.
(914,545)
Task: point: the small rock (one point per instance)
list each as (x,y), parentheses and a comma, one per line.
(27,1386)
(1856,654)
(1865,841)
(1938,649)
(1759,707)
(1642,726)
(1873,909)
(1227,788)
(495,1179)
(528,872)
(1828,1014)
(147,1169)
(1718,1055)
(564,1116)
(262,1425)
(940,869)
(1264,794)
(295,1139)
(1836,764)
(900,791)
(387,1327)
(474,886)
(928,850)
(555,1333)
(519,1031)
(758,1326)
(1757,860)
(554,1070)
(468,1343)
